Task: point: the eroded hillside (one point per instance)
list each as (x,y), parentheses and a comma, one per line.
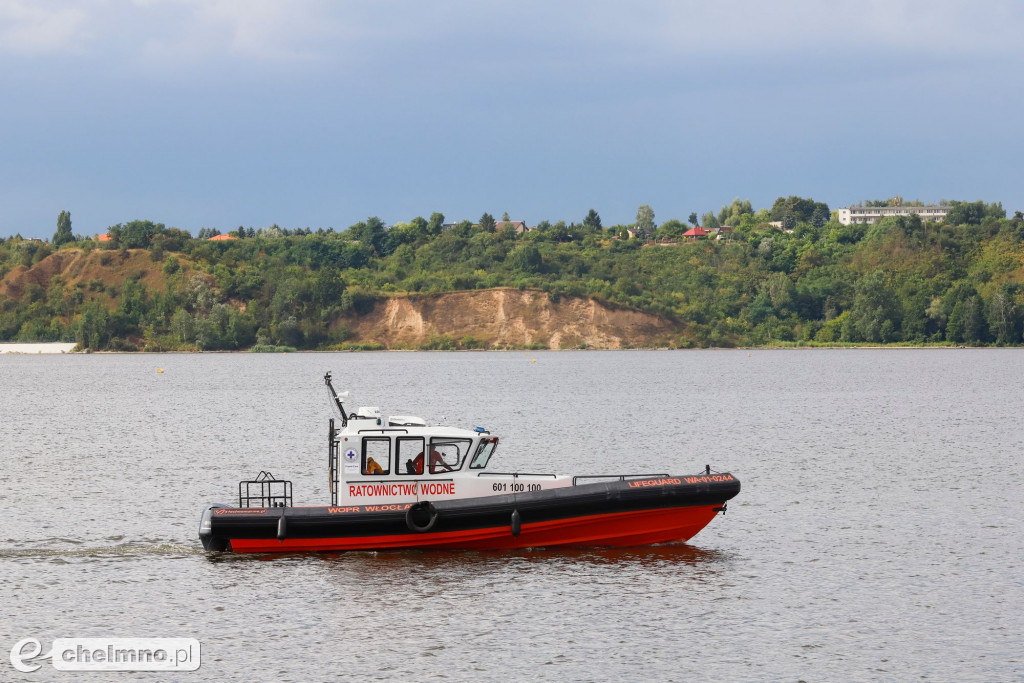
(506,318)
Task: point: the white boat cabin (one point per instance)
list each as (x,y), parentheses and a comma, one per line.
(400,459)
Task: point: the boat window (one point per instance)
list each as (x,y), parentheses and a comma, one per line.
(447,455)
(377,455)
(409,455)
(483,453)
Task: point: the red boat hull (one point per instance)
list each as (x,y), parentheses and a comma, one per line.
(609,530)
(609,514)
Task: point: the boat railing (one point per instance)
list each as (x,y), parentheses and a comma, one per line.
(620,477)
(516,475)
(333,448)
(265,491)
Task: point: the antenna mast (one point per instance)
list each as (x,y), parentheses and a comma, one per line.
(337,401)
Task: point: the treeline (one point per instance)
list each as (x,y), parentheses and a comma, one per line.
(813,281)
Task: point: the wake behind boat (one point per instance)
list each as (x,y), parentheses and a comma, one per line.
(397,482)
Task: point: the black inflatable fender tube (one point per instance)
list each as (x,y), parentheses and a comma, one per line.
(416,507)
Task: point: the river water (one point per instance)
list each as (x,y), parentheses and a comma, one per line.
(879,533)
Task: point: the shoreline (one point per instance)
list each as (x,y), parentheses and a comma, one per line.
(62,348)
(37,348)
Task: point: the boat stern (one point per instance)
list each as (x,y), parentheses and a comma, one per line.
(211,543)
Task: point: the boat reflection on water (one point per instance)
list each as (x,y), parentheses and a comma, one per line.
(675,554)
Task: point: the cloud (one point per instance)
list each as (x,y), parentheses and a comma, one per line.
(745,26)
(274,30)
(167,31)
(27,28)
(182,31)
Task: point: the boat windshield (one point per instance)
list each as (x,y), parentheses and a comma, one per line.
(448,455)
(483,453)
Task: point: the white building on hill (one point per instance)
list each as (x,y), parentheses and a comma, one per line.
(873,214)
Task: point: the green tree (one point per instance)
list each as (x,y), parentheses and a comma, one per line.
(560,232)
(525,258)
(134,234)
(289,332)
(792,210)
(63,234)
(644,221)
(972,213)
(181,326)
(671,229)
(1002,316)
(965,213)
(487,222)
(592,220)
(875,315)
(91,326)
(937,316)
(966,323)
(780,291)
(734,212)
(329,287)
(419,227)
(371,234)
(820,215)
(692,219)
(436,224)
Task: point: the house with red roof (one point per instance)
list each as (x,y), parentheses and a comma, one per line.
(694,233)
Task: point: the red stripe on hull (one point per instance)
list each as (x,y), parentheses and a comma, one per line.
(618,529)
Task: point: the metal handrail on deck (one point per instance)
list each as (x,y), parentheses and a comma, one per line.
(620,477)
(516,475)
(269,492)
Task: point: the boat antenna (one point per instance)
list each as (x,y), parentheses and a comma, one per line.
(337,401)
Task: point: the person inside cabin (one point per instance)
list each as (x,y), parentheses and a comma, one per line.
(415,466)
(373,467)
(437,463)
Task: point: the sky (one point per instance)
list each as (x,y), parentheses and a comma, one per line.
(220,113)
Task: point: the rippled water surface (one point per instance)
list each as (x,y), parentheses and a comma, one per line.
(879,533)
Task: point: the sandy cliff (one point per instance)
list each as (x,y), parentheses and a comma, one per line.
(507,317)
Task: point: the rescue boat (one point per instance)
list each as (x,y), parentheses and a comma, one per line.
(397,483)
